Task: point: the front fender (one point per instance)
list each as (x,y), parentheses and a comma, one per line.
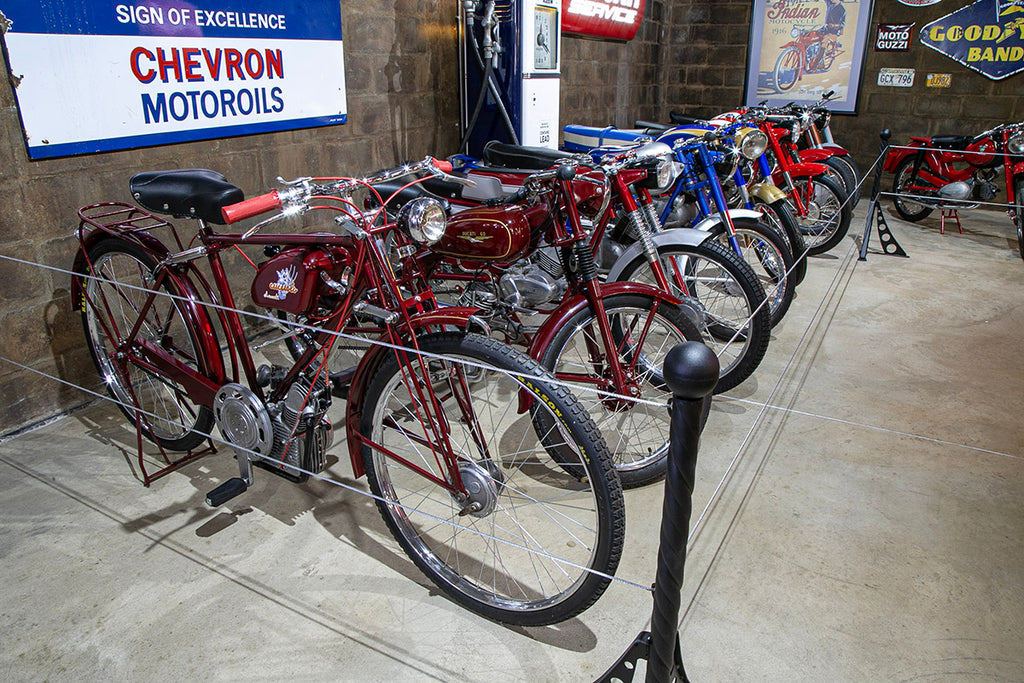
(801,170)
(814,154)
(895,156)
(451,316)
(574,304)
(769,193)
(709,223)
(684,236)
(1017,170)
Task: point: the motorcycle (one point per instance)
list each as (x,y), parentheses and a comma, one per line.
(454,431)
(959,171)
(530,256)
(810,51)
(696,198)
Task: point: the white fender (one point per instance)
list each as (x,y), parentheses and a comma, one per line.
(666,238)
(706,224)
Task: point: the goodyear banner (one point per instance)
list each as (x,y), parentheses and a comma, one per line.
(98,76)
(987,36)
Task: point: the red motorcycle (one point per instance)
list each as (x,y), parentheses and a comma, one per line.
(810,51)
(959,171)
(491,476)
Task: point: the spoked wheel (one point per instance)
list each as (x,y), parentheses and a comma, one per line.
(643,331)
(905,185)
(1018,194)
(787,69)
(854,172)
(728,298)
(518,540)
(768,254)
(779,215)
(846,176)
(115,297)
(827,213)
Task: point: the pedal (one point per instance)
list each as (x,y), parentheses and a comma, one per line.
(226,491)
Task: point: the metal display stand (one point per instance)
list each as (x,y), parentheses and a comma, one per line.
(691,372)
(888,241)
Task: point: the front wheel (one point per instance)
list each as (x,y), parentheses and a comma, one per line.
(826,216)
(769,256)
(907,183)
(1018,201)
(524,540)
(643,331)
(846,176)
(787,69)
(733,317)
(779,215)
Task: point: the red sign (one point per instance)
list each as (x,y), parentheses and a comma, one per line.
(614,19)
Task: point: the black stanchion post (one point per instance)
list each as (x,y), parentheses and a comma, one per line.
(882,153)
(691,372)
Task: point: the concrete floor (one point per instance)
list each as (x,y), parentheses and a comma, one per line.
(858,517)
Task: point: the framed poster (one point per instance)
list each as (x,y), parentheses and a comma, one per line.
(104,75)
(800,49)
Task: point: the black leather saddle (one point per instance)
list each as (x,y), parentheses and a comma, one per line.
(951,141)
(185,193)
(504,155)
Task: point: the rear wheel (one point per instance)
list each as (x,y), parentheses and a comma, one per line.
(114,298)
(521,540)
(644,331)
(907,184)
(827,214)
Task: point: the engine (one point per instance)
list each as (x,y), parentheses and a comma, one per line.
(534,283)
(293,434)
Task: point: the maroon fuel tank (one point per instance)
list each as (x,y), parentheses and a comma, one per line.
(290,281)
(486,233)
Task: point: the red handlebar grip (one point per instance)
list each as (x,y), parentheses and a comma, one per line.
(443,166)
(251,207)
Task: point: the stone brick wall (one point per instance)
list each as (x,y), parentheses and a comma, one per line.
(402,86)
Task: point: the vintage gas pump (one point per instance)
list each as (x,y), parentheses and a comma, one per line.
(509,63)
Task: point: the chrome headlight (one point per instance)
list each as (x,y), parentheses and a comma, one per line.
(795,33)
(752,142)
(1015,145)
(423,219)
(823,120)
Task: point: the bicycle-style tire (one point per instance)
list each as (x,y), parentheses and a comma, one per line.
(909,209)
(644,330)
(787,69)
(728,297)
(769,256)
(846,176)
(779,215)
(110,309)
(545,541)
(847,161)
(829,214)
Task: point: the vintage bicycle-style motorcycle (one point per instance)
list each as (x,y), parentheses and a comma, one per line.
(492,478)
(810,51)
(527,259)
(959,171)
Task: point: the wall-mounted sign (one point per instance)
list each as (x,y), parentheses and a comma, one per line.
(893,37)
(986,36)
(99,76)
(799,49)
(896,78)
(613,19)
(938,80)
(919,3)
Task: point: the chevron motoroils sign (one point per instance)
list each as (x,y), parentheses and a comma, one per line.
(987,36)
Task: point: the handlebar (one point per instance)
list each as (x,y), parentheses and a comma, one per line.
(295,196)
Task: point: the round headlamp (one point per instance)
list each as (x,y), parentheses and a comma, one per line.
(752,142)
(423,219)
(795,33)
(823,120)
(1015,145)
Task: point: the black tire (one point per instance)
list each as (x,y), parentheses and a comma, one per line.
(728,297)
(110,307)
(828,213)
(786,72)
(769,256)
(846,175)
(779,215)
(637,433)
(909,209)
(847,161)
(525,557)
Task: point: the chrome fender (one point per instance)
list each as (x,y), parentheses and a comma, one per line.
(684,236)
(708,224)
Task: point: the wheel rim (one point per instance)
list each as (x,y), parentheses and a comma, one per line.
(767,263)
(909,206)
(503,559)
(823,212)
(115,302)
(636,433)
(788,69)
